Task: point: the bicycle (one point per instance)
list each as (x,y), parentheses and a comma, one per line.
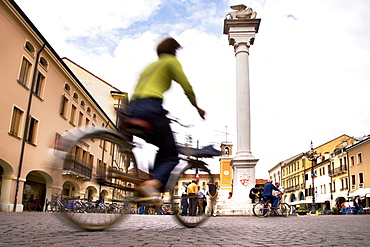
(60,205)
(264,209)
(123,173)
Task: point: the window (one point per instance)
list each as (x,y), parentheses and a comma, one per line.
(75,96)
(29,47)
(352,160)
(82,104)
(16,121)
(44,63)
(39,84)
(64,107)
(67,88)
(73,115)
(361,178)
(359,158)
(353,180)
(102,168)
(88,110)
(25,72)
(333,187)
(80,118)
(87,121)
(32,130)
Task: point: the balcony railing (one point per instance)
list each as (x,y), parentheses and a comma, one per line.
(338,171)
(292,188)
(74,168)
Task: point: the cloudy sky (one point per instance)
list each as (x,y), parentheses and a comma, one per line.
(309,65)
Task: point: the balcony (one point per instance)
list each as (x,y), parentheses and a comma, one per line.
(292,188)
(76,169)
(338,171)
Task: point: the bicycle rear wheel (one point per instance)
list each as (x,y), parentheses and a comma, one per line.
(187,174)
(79,149)
(284,209)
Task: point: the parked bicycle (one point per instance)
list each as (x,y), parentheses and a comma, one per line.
(264,208)
(123,174)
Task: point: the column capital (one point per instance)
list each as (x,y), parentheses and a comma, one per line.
(241,30)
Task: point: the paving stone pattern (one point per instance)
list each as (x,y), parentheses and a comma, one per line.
(44,229)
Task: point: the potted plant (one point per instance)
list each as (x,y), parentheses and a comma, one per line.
(302,210)
(334,210)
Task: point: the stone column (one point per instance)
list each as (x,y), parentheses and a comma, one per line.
(241,34)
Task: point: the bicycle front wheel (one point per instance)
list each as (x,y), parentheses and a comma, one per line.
(284,209)
(193,170)
(115,168)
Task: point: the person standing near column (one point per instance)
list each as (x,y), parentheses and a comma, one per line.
(193,198)
(184,199)
(211,195)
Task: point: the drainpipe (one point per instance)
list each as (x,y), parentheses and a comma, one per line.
(349,175)
(25,130)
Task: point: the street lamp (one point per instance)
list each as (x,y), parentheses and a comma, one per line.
(312,156)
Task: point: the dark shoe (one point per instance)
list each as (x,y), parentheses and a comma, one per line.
(148,195)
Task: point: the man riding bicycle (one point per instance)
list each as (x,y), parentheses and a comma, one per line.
(146,104)
(267,193)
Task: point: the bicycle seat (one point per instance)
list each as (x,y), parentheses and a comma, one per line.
(137,125)
(205,152)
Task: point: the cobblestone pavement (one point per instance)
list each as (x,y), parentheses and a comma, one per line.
(44,229)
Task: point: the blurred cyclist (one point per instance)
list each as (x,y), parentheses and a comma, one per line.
(146,104)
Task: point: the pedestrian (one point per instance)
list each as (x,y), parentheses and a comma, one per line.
(184,199)
(146,104)
(230,195)
(253,193)
(260,193)
(211,195)
(358,205)
(193,198)
(279,193)
(201,198)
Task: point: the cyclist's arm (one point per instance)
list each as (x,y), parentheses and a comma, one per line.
(179,76)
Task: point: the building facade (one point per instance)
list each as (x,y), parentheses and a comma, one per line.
(41,100)
(320,175)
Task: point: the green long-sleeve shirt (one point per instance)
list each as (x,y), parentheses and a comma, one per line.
(156,79)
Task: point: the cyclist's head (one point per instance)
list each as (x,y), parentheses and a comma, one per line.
(168,46)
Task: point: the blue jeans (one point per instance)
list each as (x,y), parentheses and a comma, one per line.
(185,204)
(151,110)
(273,199)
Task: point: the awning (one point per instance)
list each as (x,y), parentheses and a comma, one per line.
(309,201)
(360,192)
(300,202)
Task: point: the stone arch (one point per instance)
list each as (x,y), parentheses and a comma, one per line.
(71,189)
(35,187)
(301,196)
(104,194)
(6,180)
(292,198)
(91,193)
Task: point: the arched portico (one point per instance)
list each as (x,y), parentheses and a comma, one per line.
(6,182)
(292,198)
(38,186)
(91,193)
(71,189)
